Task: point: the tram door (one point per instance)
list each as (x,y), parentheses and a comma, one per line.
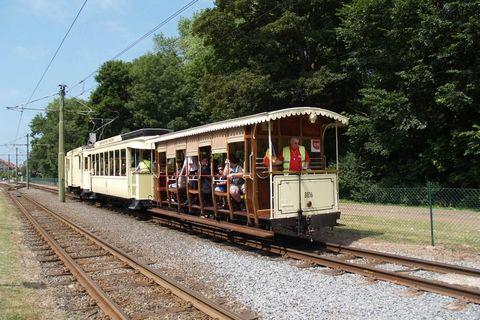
(160,177)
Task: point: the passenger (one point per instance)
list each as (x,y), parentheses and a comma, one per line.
(221,183)
(180,178)
(235,174)
(221,186)
(205,172)
(190,165)
(143,166)
(294,157)
(266,161)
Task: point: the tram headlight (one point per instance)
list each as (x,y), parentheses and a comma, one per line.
(312,117)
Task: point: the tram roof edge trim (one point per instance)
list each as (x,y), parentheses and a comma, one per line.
(253,119)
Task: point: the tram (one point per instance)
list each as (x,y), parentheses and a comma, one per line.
(239,171)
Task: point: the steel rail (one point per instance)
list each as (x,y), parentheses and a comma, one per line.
(101,298)
(464,293)
(404,260)
(200,302)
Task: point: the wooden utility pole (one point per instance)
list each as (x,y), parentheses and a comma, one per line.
(16,165)
(27,171)
(9,168)
(61,148)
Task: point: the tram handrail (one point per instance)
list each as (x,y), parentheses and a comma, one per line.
(304,171)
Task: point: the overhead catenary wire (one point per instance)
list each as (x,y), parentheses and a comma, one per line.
(140,39)
(49,64)
(281,4)
(131,45)
(58,49)
(23,105)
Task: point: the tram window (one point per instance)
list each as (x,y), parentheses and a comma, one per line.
(123,159)
(162,158)
(97,157)
(135,159)
(171,166)
(100,160)
(219,161)
(105,163)
(102,164)
(110,163)
(180,158)
(117,163)
(237,150)
(85,163)
(79,163)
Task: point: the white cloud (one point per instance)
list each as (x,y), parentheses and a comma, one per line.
(32,53)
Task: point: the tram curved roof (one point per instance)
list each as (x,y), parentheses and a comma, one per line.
(254,119)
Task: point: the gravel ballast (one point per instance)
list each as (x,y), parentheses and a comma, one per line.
(269,287)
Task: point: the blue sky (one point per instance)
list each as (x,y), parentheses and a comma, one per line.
(32,31)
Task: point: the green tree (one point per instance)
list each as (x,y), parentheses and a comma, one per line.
(159,93)
(417,67)
(290,48)
(44,127)
(111,96)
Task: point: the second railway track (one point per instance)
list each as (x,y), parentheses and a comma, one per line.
(121,286)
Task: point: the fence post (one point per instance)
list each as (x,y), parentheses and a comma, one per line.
(429,192)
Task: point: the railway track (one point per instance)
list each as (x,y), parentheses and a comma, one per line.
(355,260)
(359,261)
(121,286)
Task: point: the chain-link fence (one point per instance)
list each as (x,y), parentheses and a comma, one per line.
(423,215)
(47,181)
(428,215)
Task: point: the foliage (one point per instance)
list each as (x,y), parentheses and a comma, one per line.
(405,71)
(417,65)
(286,53)
(44,154)
(109,98)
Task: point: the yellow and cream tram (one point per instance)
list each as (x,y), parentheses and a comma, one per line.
(190,169)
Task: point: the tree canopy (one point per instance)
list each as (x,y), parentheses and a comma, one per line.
(405,72)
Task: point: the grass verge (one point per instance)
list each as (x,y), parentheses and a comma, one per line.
(453,235)
(20,296)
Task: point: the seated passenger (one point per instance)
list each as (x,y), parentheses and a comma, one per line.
(266,159)
(181,181)
(205,172)
(191,164)
(221,183)
(237,183)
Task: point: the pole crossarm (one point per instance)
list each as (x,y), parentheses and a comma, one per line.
(14,145)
